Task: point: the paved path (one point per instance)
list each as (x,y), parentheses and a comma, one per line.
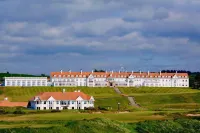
(117,90)
(131,99)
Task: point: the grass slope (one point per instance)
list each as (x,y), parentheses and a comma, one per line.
(104,97)
(99,125)
(165,98)
(156,90)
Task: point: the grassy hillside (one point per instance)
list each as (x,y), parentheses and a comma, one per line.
(99,125)
(149,98)
(157,90)
(104,97)
(165,98)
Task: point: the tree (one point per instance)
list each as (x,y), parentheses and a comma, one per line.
(96,70)
(43,75)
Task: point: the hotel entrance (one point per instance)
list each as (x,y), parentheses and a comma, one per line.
(111,84)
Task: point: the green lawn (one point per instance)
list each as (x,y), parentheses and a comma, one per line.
(126,117)
(143,90)
(165,98)
(25,93)
(104,97)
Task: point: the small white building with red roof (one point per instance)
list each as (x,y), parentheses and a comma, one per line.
(61,100)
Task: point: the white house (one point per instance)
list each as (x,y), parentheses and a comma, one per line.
(123,79)
(25,81)
(61,100)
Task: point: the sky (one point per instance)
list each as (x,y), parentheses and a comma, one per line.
(40,36)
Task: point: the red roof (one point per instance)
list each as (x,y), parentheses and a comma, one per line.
(117,74)
(62,95)
(6,103)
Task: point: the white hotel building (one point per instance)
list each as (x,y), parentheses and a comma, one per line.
(25,81)
(123,79)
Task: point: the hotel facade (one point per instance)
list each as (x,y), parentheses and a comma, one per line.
(25,81)
(120,79)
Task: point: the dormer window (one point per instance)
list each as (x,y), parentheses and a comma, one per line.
(68,75)
(80,76)
(59,75)
(84,76)
(143,76)
(72,75)
(63,75)
(76,75)
(54,75)
(122,76)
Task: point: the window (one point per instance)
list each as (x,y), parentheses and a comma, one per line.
(57,108)
(72,102)
(38,102)
(68,102)
(85,102)
(57,102)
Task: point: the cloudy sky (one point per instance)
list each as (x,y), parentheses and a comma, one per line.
(40,36)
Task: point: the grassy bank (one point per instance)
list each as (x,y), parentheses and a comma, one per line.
(102,125)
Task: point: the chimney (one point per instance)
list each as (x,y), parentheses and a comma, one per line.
(106,71)
(160,73)
(148,73)
(132,72)
(70,70)
(61,71)
(92,71)
(140,72)
(112,71)
(119,71)
(63,90)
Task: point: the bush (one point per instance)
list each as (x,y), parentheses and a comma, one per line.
(19,112)
(102,108)
(91,109)
(54,111)
(160,113)
(2,111)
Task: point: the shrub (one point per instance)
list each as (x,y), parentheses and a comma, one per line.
(102,108)
(54,111)
(19,112)
(2,111)
(160,113)
(91,109)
